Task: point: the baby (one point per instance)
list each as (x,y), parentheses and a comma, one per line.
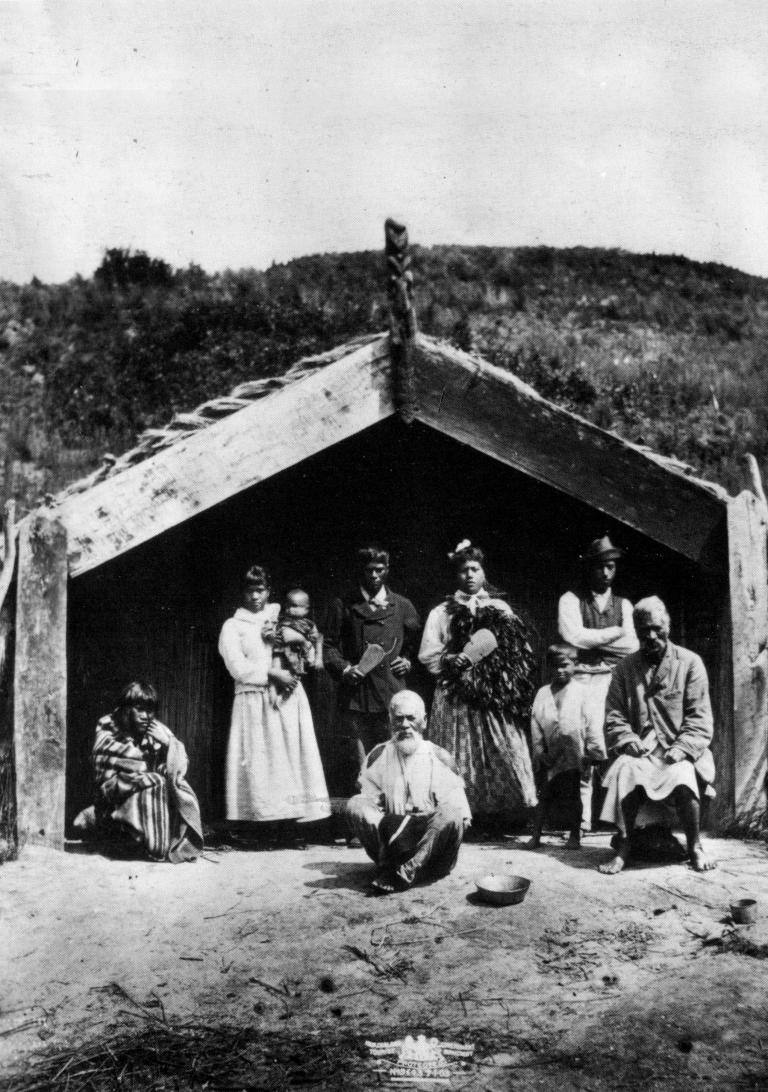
(565,739)
(297,642)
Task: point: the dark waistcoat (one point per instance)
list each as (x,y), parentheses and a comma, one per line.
(595,619)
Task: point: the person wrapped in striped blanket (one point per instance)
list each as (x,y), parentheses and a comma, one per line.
(140,780)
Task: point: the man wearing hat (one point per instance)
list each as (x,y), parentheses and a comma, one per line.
(599,624)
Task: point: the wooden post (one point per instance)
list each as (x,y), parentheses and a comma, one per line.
(8,839)
(721,812)
(6,579)
(40,680)
(402,316)
(748,574)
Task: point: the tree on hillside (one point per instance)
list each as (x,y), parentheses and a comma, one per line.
(121,268)
(659,349)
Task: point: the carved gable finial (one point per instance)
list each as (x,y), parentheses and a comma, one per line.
(399,282)
(402,316)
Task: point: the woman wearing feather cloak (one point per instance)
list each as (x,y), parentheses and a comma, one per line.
(481,704)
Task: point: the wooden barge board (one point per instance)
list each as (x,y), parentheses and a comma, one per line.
(227,457)
(490,410)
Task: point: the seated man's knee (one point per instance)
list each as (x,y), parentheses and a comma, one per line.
(356,806)
(450,815)
(360,809)
(682,795)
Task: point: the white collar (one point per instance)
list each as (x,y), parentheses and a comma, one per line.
(379,599)
(244,615)
(472,601)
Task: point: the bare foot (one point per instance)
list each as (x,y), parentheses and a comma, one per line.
(383,883)
(533,843)
(574,842)
(610,868)
(700,862)
(404,876)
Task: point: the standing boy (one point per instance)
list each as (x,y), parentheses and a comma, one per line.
(566,739)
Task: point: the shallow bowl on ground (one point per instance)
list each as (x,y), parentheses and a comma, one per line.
(502,889)
(744,912)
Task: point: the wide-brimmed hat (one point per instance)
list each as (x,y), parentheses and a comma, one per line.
(602,549)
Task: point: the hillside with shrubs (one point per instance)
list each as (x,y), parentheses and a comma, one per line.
(662,350)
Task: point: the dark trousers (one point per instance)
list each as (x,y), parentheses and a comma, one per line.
(439,839)
(361,732)
(562,793)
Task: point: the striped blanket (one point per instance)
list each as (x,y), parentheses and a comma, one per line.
(145,791)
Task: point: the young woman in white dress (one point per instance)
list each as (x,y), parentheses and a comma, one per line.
(273,773)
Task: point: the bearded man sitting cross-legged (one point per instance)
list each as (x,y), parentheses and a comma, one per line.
(412,811)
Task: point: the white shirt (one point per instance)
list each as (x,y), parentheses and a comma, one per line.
(574,632)
(380,599)
(567,733)
(247,656)
(420,781)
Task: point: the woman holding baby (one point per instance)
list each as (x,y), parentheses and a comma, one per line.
(273,770)
(480,653)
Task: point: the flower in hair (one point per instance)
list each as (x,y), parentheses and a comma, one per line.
(463,545)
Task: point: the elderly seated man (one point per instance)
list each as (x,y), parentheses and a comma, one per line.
(411,812)
(658,725)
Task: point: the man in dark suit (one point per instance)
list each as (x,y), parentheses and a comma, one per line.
(371,615)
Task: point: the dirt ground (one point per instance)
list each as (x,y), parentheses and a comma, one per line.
(270,970)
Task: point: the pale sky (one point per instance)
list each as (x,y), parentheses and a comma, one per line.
(234,134)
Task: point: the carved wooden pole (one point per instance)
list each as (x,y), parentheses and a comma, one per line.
(40,680)
(8,840)
(6,579)
(748,564)
(402,316)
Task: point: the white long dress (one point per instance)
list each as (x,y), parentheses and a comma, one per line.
(273,763)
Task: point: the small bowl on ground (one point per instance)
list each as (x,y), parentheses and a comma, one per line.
(502,888)
(744,911)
